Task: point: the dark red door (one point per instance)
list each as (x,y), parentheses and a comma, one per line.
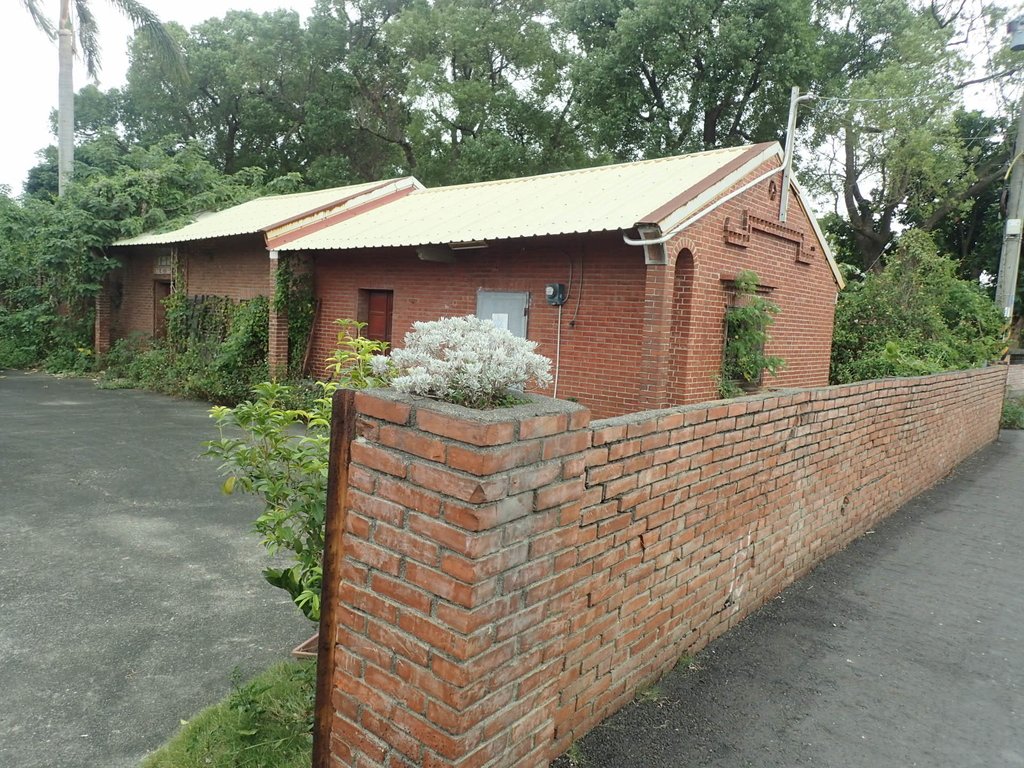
(379,306)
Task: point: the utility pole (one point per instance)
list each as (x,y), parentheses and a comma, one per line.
(1009,259)
(787,161)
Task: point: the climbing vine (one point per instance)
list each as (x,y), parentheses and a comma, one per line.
(746,333)
(216,349)
(293,297)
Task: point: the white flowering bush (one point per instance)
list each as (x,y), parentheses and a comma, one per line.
(467,361)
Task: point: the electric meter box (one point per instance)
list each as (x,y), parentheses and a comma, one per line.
(555,294)
(1013,227)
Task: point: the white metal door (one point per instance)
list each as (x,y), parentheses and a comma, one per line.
(505,310)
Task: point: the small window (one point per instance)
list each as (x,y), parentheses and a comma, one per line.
(376,309)
(163,265)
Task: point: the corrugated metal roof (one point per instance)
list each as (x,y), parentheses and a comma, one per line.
(612,197)
(253,216)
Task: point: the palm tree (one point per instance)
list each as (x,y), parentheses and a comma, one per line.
(72,11)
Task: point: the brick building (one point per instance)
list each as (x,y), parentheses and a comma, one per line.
(629,326)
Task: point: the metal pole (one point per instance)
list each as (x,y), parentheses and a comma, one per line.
(787,161)
(1009,259)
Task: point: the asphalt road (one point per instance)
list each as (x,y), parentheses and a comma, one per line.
(906,649)
(130,588)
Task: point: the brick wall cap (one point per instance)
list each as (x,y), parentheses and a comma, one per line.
(632,418)
(536,405)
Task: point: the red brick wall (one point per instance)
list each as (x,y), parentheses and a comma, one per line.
(600,352)
(131,289)
(512,577)
(235,267)
(643,336)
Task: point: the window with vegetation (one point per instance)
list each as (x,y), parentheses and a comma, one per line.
(746,335)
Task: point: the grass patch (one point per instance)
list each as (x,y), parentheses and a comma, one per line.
(1013,414)
(575,756)
(685,662)
(265,723)
(651,693)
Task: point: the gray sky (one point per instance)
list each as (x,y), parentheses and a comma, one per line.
(29,63)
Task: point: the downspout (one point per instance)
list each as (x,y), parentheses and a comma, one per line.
(697,217)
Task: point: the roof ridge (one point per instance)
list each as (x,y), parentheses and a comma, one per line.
(590,169)
(309,192)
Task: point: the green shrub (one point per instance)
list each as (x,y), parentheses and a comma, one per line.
(278,452)
(24,335)
(116,362)
(217,351)
(17,352)
(1013,414)
(914,317)
(73,360)
(282,457)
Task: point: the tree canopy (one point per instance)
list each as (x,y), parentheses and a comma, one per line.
(913,317)
(467,90)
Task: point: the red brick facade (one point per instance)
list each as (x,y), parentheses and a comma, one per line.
(601,342)
(236,267)
(129,293)
(510,578)
(631,336)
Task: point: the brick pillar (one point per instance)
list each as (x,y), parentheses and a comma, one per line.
(277,332)
(656,346)
(459,557)
(101,335)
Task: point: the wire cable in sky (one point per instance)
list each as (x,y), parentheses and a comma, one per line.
(944,94)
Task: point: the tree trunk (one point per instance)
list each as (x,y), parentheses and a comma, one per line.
(871,250)
(65,99)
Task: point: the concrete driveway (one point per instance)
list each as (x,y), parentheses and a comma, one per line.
(130,588)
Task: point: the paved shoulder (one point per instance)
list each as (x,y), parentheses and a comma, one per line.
(129,586)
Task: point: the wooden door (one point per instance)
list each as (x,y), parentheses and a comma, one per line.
(161,290)
(379,308)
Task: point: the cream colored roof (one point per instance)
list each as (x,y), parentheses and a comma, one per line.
(254,216)
(612,197)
